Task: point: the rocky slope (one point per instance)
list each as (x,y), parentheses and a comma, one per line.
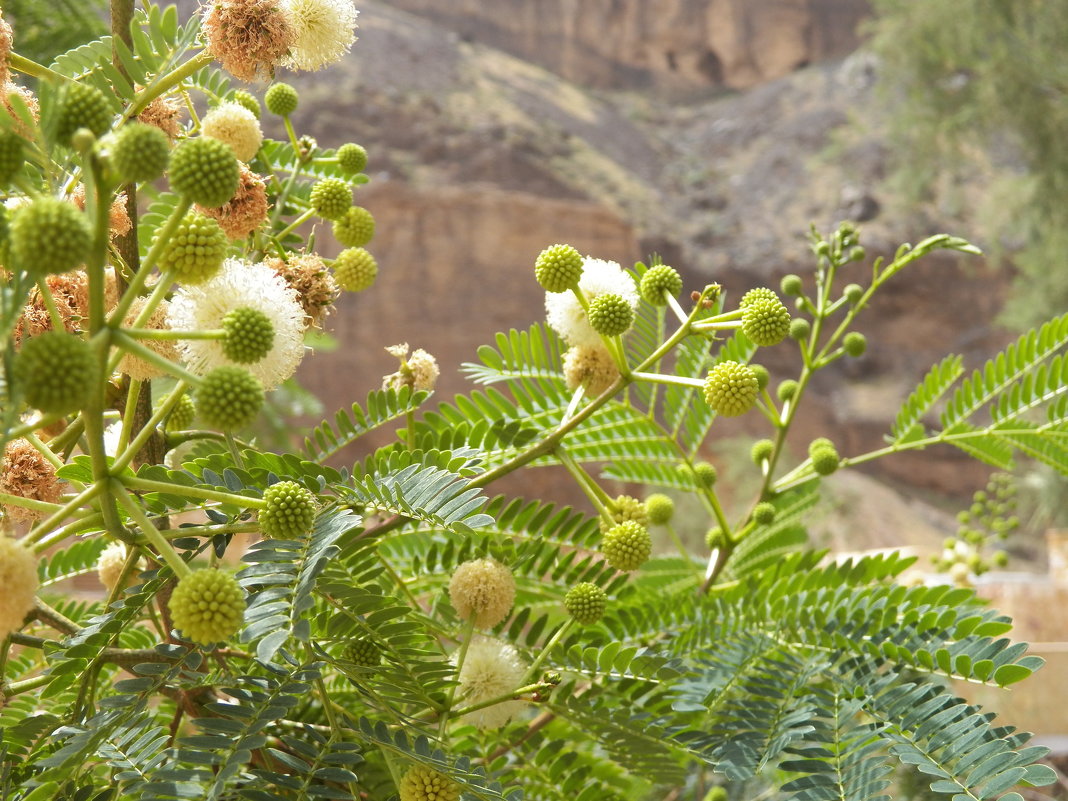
(479,159)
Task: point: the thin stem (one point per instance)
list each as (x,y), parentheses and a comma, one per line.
(58,621)
(147,354)
(137,483)
(169,333)
(44,450)
(91,520)
(28,503)
(152,534)
(149,428)
(465,644)
(166,82)
(660,378)
(35,70)
(552,643)
(299,221)
(129,412)
(50,304)
(46,525)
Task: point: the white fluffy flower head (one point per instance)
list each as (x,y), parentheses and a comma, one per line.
(241,285)
(325,30)
(491,669)
(236,126)
(566,315)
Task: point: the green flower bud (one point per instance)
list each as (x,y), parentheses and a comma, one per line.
(764,513)
(140,152)
(331,198)
(705,473)
(854,344)
(82,105)
(243,98)
(281,99)
(762,374)
(205,171)
(761,450)
(249,335)
(351,158)
(49,236)
(853,293)
(799,329)
(787,390)
(558,268)
(586,603)
(196,249)
(627,546)
(364,652)
(791,285)
(207,606)
(355,269)
(610,315)
(355,228)
(656,280)
(229,398)
(12,156)
(55,371)
(731,389)
(290,511)
(659,508)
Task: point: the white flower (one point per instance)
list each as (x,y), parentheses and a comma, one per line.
(566,315)
(324,29)
(241,285)
(236,126)
(491,669)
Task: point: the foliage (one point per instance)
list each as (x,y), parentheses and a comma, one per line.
(754,659)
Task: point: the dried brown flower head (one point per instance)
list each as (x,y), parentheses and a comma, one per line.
(25,473)
(29,98)
(118,218)
(70,292)
(315,286)
(246,210)
(163,113)
(136,367)
(248,37)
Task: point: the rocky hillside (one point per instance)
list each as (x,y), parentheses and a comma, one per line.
(480,158)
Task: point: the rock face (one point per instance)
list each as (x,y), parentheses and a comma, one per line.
(627,44)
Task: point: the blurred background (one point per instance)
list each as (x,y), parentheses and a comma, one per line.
(712,133)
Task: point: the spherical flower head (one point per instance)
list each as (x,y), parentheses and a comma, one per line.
(246,99)
(246,211)
(205,171)
(18,584)
(351,158)
(658,280)
(235,125)
(207,606)
(355,228)
(623,509)
(110,563)
(714,538)
(140,152)
(25,473)
(248,335)
(586,603)
(482,590)
(566,315)
(659,508)
(825,460)
(164,113)
(731,388)
(281,99)
(610,315)
(331,198)
(756,294)
(853,293)
(136,367)
(854,344)
(764,513)
(761,450)
(705,474)
(762,374)
(182,415)
(49,236)
(196,249)
(324,31)
(627,546)
(422,783)
(800,328)
(241,285)
(716,794)
(290,511)
(12,155)
(316,288)
(248,37)
(82,105)
(55,372)
(229,398)
(355,269)
(766,321)
(787,390)
(558,268)
(791,285)
(591,366)
(364,652)
(70,296)
(491,669)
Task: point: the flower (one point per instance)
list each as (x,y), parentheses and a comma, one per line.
(418,371)
(324,30)
(5,49)
(248,37)
(70,292)
(136,367)
(482,590)
(246,210)
(491,669)
(163,113)
(315,286)
(110,563)
(567,317)
(241,285)
(18,584)
(237,126)
(591,366)
(26,473)
(118,217)
(27,97)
